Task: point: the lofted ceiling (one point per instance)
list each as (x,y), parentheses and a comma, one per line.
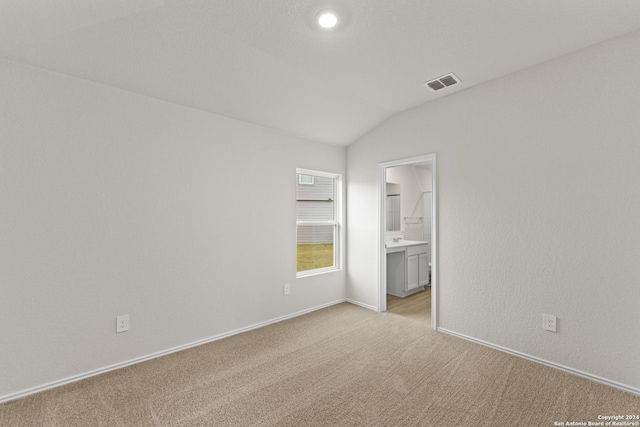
(266,61)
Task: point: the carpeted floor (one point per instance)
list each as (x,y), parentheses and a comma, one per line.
(340,366)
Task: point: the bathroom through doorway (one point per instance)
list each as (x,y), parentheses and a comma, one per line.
(408,237)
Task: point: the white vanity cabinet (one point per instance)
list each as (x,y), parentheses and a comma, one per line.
(407,269)
(417,266)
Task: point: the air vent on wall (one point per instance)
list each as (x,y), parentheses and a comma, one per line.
(442,82)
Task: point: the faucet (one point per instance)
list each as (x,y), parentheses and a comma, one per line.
(396,239)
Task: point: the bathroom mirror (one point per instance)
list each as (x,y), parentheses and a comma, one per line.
(393,207)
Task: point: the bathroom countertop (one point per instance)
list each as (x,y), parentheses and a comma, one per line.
(402,244)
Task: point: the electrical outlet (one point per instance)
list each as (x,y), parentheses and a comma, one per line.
(549,322)
(287,289)
(122,323)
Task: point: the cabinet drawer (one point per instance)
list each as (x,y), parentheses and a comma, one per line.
(418,249)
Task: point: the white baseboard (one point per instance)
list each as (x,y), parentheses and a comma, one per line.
(566,369)
(370,307)
(74,378)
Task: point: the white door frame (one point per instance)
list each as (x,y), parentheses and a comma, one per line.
(382,253)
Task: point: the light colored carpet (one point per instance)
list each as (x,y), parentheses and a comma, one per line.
(340,366)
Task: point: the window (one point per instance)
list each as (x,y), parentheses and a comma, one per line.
(305,179)
(317,222)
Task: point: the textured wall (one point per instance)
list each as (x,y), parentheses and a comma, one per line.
(114,203)
(538,207)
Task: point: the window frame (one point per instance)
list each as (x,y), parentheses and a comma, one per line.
(336,223)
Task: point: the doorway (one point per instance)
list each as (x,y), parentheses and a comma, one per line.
(419,216)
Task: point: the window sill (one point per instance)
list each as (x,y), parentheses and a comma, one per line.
(317,272)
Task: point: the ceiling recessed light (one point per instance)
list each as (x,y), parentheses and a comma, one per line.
(327,19)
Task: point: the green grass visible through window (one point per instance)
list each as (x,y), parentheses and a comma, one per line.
(314,255)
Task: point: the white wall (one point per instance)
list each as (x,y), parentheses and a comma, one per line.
(114,203)
(413,182)
(525,225)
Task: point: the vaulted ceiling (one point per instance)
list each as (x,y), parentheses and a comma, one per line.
(268,63)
